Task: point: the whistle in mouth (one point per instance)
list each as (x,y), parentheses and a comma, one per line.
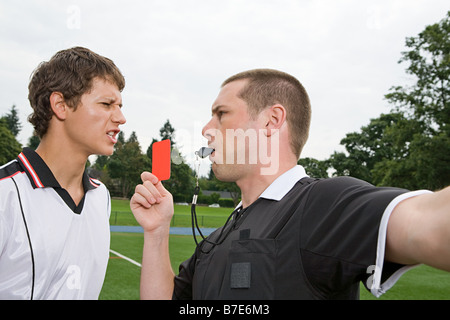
(203,152)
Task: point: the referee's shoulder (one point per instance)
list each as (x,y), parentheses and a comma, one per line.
(342,181)
(334,187)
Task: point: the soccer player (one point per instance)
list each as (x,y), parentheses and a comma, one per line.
(291,237)
(54,218)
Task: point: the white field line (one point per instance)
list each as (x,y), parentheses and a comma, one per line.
(126,258)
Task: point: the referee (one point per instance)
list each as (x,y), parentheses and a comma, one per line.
(292,237)
(54,218)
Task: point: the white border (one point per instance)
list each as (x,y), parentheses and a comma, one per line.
(378,288)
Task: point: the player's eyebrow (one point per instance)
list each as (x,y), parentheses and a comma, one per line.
(111,100)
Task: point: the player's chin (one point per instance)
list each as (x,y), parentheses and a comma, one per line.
(109,153)
(105,151)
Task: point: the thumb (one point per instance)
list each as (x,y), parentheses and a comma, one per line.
(147,176)
(163,191)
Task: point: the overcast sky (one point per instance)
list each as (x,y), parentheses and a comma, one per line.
(175,54)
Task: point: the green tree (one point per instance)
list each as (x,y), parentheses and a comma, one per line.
(33,142)
(426,105)
(428,59)
(168,132)
(409,147)
(383,138)
(213,184)
(126,165)
(101,162)
(315,168)
(150,149)
(425,167)
(13,121)
(9,146)
(181,183)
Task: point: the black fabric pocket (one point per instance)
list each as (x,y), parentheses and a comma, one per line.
(250,272)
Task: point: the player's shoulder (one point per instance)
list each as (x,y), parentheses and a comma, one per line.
(96,183)
(9,170)
(11,180)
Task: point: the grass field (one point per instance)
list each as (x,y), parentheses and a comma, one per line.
(122,277)
(207,217)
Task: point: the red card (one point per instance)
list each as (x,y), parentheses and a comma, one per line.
(161,159)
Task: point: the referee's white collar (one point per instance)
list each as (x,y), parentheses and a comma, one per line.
(283,184)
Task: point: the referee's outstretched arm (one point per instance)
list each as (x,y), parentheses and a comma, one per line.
(419,231)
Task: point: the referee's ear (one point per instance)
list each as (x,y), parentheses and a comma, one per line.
(275,118)
(58,105)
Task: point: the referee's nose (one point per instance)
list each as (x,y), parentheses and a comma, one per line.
(209,130)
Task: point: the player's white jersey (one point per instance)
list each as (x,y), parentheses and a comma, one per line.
(50,248)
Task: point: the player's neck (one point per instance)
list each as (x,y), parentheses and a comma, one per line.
(66,165)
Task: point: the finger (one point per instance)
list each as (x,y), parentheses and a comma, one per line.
(147,176)
(138,200)
(153,190)
(161,189)
(148,191)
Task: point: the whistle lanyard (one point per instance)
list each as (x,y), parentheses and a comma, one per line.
(237,212)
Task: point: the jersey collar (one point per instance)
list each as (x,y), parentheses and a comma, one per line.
(40,174)
(283,184)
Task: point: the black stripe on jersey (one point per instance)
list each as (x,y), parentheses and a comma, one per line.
(29,240)
(10,169)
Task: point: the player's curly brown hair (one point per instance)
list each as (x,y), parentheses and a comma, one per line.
(70,72)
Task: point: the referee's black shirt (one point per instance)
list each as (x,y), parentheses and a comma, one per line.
(318,241)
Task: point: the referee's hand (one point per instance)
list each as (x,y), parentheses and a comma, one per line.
(152,204)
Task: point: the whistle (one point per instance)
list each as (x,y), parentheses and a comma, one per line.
(203,152)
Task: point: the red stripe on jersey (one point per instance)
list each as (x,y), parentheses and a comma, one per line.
(10,175)
(33,173)
(94,182)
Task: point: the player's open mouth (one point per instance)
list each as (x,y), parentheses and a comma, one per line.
(113,135)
